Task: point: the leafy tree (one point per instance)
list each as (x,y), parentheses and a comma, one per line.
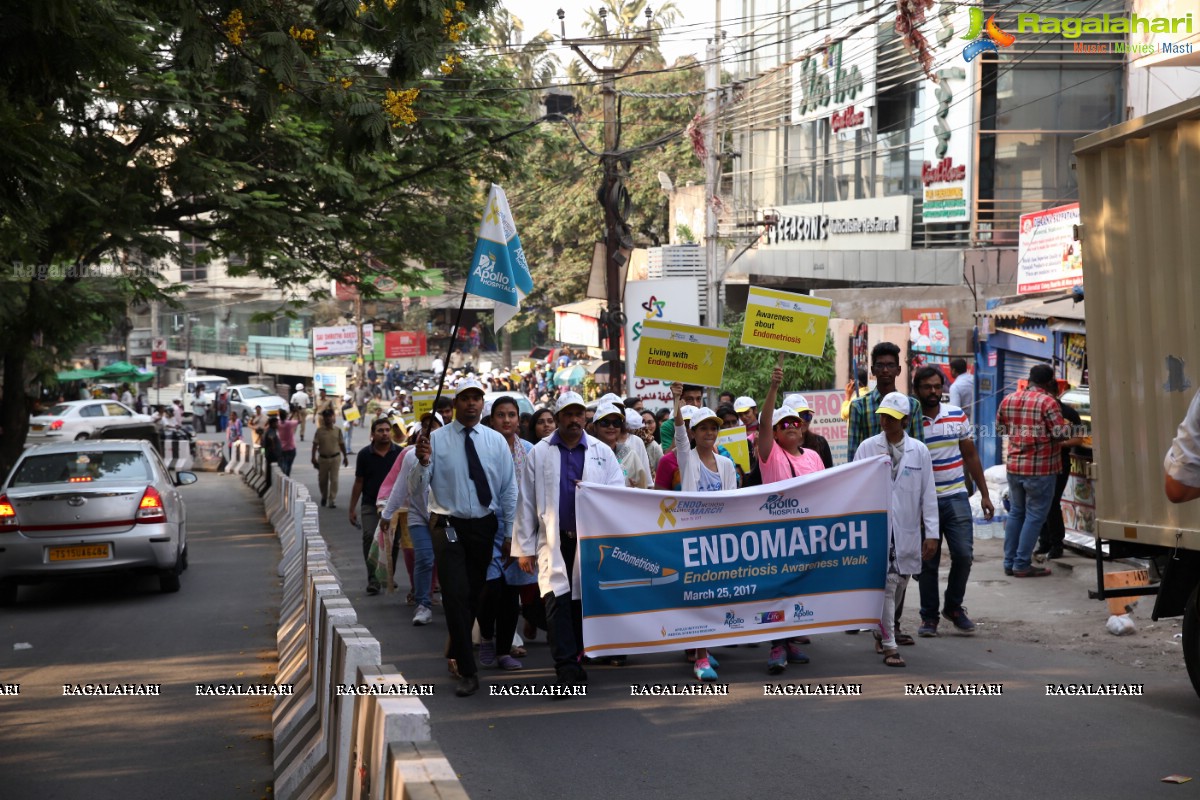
(627,18)
(748,369)
(303,136)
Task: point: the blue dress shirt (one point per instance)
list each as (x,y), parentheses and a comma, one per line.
(452,492)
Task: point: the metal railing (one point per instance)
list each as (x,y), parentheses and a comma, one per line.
(300,351)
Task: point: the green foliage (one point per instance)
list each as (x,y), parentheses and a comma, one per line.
(277,130)
(554,197)
(748,369)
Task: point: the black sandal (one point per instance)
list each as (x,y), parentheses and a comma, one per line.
(893,659)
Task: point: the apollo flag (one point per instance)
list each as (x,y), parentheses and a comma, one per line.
(499,271)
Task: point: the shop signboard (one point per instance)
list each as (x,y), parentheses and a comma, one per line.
(342,340)
(404,344)
(1048,257)
(837,83)
(664,299)
(881,223)
(948,119)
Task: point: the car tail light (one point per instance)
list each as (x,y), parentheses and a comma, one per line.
(8,514)
(56,425)
(151,508)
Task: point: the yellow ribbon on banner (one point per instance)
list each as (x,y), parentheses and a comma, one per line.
(666,507)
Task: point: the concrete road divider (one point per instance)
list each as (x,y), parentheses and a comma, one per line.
(352,728)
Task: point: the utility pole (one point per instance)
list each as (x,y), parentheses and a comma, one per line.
(612,195)
(712,172)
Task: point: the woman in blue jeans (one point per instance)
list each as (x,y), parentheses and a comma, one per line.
(418,526)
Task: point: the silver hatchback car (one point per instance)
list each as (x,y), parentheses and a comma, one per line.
(73,508)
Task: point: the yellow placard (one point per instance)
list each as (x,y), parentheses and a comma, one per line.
(351,414)
(688,353)
(422,403)
(735,441)
(793,323)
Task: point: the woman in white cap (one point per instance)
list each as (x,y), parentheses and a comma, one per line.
(781,456)
(609,424)
(701,470)
(809,440)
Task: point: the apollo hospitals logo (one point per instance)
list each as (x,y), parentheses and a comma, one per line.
(778,505)
(486,271)
(799,612)
(732,620)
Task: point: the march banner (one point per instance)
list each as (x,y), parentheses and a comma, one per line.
(702,569)
(671,351)
(793,323)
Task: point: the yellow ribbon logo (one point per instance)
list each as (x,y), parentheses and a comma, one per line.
(666,507)
(493,214)
(811,330)
(707,357)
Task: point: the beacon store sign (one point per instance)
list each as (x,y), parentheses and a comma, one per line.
(882,223)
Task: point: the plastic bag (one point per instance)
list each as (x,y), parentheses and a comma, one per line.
(1120,625)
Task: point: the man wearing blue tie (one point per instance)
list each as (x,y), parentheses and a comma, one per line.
(468,469)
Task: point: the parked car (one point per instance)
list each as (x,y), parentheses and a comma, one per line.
(245,396)
(78,419)
(73,508)
(210,386)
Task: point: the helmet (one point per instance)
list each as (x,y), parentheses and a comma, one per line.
(299,387)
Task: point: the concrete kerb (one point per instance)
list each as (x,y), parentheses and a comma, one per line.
(418,770)
(326,744)
(379,721)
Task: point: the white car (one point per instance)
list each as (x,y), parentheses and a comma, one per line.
(244,397)
(78,419)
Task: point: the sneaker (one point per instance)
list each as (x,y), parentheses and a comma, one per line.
(928,629)
(487,653)
(1008,570)
(795,655)
(1032,572)
(704,670)
(777,661)
(962,623)
(372,588)
(332,504)
(423,616)
(509,663)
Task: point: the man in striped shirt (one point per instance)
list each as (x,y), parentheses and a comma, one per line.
(948,437)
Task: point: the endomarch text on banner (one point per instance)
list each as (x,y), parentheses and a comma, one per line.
(701,569)
(793,323)
(688,353)
(499,271)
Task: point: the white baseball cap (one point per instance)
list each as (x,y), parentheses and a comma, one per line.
(744,404)
(782,413)
(687,412)
(797,402)
(895,405)
(703,415)
(608,410)
(299,387)
(633,420)
(466,385)
(612,398)
(487,408)
(567,400)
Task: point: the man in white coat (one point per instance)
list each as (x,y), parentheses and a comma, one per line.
(914,501)
(544,534)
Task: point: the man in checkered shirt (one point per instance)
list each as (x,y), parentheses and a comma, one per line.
(1034,425)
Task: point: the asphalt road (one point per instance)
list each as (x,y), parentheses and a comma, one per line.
(219,628)
(882,743)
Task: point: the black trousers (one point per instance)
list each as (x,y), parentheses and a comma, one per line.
(499,610)
(462,571)
(564,617)
(1054,531)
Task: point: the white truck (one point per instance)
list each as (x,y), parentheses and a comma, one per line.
(1139,188)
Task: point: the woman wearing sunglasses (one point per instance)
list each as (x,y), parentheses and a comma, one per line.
(701,470)
(810,440)
(609,424)
(781,455)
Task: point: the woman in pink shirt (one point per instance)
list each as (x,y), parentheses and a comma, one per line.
(780,458)
(287,442)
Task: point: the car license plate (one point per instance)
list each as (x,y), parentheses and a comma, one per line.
(79,552)
(36,427)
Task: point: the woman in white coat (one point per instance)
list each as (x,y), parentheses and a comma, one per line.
(914,500)
(544,535)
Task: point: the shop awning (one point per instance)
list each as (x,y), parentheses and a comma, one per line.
(1058,309)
